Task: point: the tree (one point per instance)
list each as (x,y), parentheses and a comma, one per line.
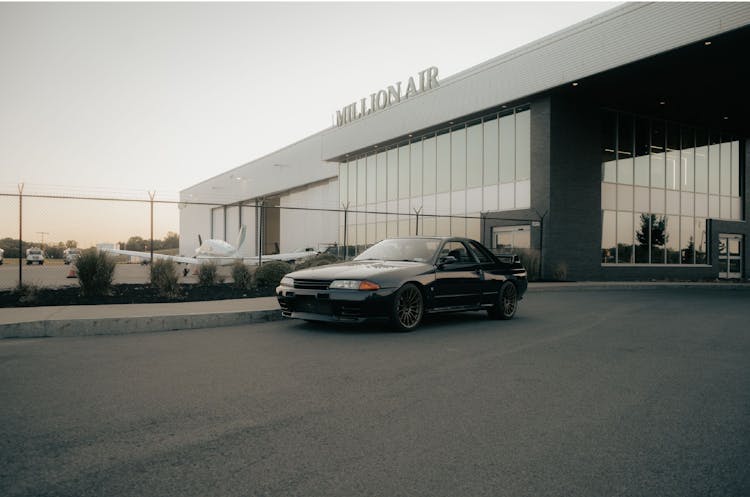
(71,244)
(657,230)
(136,243)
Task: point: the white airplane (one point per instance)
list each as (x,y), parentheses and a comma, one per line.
(219,252)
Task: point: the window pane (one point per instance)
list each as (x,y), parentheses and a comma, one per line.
(624,198)
(657,154)
(474,153)
(609,239)
(642,233)
(392,174)
(609,143)
(673,239)
(658,235)
(404,171)
(491,163)
(523,145)
(624,237)
(507,149)
(416,169)
(343,183)
(713,165)
(458,159)
(352,183)
(361,182)
(673,157)
(609,196)
(641,199)
(726,169)
(701,161)
(443,163)
(641,162)
(429,174)
(735,160)
(687,240)
(381,176)
(371,179)
(700,241)
(687,159)
(625,149)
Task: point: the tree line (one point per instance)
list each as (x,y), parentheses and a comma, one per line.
(55,250)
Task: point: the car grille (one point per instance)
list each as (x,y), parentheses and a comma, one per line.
(312,284)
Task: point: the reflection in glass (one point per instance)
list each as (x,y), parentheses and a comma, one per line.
(392,176)
(382,171)
(458,159)
(700,241)
(474,152)
(625,237)
(523,145)
(507,149)
(429,165)
(609,238)
(687,159)
(642,234)
(687,240)
(443,162)
(490,142)
(658,235)
(404,170)
(361,182)
(725,170)
(673,239)
(371,179)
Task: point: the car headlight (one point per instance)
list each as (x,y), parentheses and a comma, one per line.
(353,285)
(287,281)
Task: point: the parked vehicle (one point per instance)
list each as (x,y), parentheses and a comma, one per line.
(70,255)
(2,259)
(401,279)
(34,255)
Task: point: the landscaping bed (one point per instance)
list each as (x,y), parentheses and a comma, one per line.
(126,294)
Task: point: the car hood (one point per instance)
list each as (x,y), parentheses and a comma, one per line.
(363,270)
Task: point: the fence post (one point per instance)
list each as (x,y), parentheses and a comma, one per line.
(417,211)
(20,235)
(346,228)
(151,196)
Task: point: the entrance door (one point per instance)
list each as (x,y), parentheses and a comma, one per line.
(730,256)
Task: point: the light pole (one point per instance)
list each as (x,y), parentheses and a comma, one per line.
(20,235)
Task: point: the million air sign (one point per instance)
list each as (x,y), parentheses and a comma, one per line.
(425,80)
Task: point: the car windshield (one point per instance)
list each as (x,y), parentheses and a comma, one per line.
(402,249)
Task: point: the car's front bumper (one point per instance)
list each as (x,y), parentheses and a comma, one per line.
(350,306)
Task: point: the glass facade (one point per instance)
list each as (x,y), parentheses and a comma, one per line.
(660,182)
(449,176)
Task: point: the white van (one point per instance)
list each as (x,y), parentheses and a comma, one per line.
(34,255)
(70,255)
(2,252)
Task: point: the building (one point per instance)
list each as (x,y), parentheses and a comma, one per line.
(615,149)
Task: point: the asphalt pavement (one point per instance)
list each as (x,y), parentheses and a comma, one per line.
(624,392)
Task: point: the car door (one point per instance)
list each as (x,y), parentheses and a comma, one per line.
(490,276)
(457,284)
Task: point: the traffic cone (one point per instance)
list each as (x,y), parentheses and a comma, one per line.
(72,273)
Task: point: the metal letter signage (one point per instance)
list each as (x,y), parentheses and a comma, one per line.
(426,80)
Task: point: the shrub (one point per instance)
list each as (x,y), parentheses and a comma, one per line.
(27,293)
(318,260)
(271,272)
(241,275)
(96,270)
(164,277)
(208,274)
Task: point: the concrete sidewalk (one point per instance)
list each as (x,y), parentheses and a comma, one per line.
(57,321)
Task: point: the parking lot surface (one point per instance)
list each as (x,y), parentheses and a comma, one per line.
(585,393)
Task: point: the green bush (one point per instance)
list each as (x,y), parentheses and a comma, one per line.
(96,270)
(208,274)
(318,260)
(271,272)
(27,293)
(164,277)
(241,275)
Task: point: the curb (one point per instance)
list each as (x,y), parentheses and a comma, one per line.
(124,326)
(589,287)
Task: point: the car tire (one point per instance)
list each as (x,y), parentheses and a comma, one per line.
(507,302)
(407,309)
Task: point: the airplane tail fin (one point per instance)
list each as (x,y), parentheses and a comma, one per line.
(241,239)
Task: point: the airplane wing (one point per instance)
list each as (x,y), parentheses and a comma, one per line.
(147,255)
(288,257)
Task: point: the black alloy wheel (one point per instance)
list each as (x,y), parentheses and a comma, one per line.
(507,302)
(408,308)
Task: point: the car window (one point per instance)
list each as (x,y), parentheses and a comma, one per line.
(480,252)
(457,250)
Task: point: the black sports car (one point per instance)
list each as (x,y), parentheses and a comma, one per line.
(401,279)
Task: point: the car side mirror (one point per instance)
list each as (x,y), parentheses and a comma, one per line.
(445,260)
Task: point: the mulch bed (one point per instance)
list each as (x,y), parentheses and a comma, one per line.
(126,294)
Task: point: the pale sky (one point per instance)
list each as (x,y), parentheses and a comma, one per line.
(119,98)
